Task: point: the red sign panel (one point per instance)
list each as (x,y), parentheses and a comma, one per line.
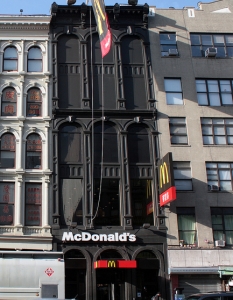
(149,208)
(120,264)
(168,196)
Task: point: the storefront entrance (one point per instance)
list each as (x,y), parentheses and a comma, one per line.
(110,284)
(75,275)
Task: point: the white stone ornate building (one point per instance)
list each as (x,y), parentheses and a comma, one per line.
(25,115)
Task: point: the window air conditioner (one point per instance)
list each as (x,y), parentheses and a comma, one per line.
(214,188)
(210,52)
(220,243)
(172,52)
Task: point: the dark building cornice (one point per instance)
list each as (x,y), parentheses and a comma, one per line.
(117,14)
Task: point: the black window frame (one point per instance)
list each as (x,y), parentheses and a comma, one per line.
(9,147)
(36,148)
(170,91)
(10,59)
(182,166)
(29,60)
(213,175)
(165,45)
(186,211)
(212,124)
(7,203)
(174,126)
(9,101)
(34,105)
(220,93)
(223,212)
(203,46)
(33,204)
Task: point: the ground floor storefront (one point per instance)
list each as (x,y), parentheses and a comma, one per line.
(117,269)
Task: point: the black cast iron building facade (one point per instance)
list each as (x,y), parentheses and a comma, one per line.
(106,104)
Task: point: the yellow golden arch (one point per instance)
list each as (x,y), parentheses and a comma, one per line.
(163,175)
(111,264)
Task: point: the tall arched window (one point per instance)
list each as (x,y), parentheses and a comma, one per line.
(35,60)
(138,145)
(71,144)
(71,174)
(106,204)
(34,102)
(10,59)
(7,151)
(33,153)
(141,179)
(110,149)
(9,102)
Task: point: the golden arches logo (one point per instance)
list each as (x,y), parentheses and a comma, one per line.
(111,264)
(163,174)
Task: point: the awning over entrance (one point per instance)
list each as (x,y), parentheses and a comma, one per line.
(224,270)
(207,270)
(121,264)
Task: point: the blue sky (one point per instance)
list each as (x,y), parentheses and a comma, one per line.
(43,6)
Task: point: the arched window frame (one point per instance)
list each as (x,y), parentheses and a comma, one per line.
(34,102)
(7,151)
(33,151)
(9,102)
(34,60)
(10,59)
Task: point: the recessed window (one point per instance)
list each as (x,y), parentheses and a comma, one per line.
(222,224)
(138,145)
(168,44)
(182,176)
(110,146)
(34,60)
(70,145)
(186,225)
(7,200)
(34,101)
(7,151)
(214,92)
(178,131)
(141,198)
(33,197)
(106,203)
(219,175)
(173,89)
(33,153)
(222,42)
(10,59)
(217,131)
(9,102)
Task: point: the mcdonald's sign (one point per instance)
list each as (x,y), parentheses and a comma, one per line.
(112,263)
(167,190)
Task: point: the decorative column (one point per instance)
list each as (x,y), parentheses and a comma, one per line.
(88,182)
(55,206)
(119,77)
(85,81)
(19,205)
(46,149)
(19,149)
(46,99)
(45,204)
(125,182)
(20,108)
(46,57)
(22,59)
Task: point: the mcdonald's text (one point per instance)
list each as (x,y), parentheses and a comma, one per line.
(86,236)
